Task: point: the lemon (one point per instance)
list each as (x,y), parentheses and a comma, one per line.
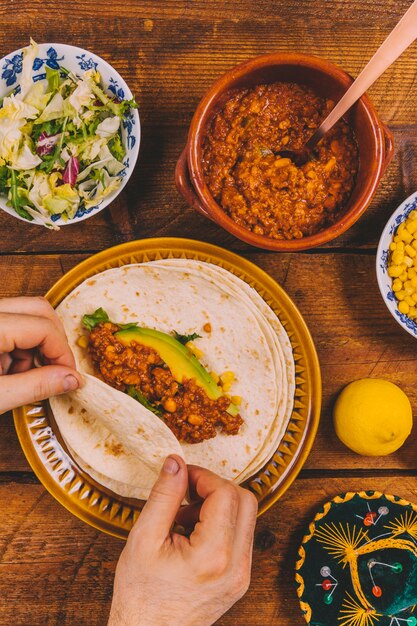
(372,417)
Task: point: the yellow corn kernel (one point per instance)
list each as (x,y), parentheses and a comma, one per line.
(400,244)
(414,296)
(405,236)
(411,272)
(392,246)
(412,215)
(413,281)
(404,307)
(397,257)
(397,284)
(400,295)
(411,226)
(192,348)
(408,261)
(414,244)
(215,377)
(236,400)
(409,300)
(410,250)
(82,341)
(394,271)
(403,276)
(194,419)
(227,377)
(412,312)
(170,405)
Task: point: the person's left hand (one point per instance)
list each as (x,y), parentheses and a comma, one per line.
(30,327)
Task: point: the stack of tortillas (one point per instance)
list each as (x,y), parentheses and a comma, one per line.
(121,444)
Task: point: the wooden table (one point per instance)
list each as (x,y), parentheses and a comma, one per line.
(55,570)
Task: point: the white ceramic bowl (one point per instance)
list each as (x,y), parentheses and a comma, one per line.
(385,281)
(77,60)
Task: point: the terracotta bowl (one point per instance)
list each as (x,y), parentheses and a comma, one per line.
(374,139)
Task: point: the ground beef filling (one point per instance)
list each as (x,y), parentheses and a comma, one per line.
(260,190)
(186,408)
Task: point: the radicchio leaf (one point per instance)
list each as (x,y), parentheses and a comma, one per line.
(71,171)
(46,143)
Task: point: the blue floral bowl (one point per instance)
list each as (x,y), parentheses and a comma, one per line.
(76,60)
(385,281)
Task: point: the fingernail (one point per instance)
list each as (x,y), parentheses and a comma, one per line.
(70,383)
(171,466)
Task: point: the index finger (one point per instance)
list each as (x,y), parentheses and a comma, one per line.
(26,305)
(219,510)
(28,331)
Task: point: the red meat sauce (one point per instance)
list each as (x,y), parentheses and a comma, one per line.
(186,408)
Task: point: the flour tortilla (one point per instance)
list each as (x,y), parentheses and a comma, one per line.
(246,338)
(138,430)
(276,333)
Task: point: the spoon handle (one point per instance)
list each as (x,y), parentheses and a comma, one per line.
(394,45)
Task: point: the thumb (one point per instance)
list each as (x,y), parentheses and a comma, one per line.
(37,384)
(158,514)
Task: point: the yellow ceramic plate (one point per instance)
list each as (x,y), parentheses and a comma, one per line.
(103,509)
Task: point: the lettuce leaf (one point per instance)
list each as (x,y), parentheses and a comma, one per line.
(117,148)
(91,321)
(136,394)
(52,76)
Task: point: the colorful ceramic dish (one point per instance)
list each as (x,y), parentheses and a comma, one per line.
(70,134)
(101,507)
(374,140)
(385,281)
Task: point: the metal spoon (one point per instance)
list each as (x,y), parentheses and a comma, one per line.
(394,45)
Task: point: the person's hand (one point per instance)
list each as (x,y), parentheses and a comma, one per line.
(29,327)
(167,579)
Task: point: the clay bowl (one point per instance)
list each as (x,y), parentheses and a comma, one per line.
(374,139)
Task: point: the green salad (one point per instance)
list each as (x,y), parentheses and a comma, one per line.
(61,147)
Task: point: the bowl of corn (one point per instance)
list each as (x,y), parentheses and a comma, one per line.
(396,264)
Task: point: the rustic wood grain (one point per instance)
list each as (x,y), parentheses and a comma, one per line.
(169,55)
(56,571)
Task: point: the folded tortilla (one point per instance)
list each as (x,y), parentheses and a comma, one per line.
(246,338)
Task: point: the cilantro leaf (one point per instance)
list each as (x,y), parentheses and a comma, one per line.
(186,338)
(128,326)
(136,394)
(91,321)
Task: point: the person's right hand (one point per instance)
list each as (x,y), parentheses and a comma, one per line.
(167,579)
(29,327)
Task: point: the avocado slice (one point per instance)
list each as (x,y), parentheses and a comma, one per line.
(182,363)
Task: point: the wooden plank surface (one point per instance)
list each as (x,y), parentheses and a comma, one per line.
(55,570)
(169,56)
